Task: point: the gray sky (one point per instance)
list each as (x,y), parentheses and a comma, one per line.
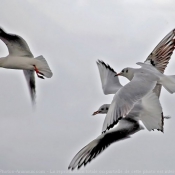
(72,35)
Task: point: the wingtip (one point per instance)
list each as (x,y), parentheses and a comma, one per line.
(162,129)
(70,168)
(111,125)
(107,66)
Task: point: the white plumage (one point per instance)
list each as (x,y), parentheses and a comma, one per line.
(20,57)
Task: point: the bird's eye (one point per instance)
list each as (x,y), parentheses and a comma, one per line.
(106,108)
(126,70)
(102,109)
(123,70)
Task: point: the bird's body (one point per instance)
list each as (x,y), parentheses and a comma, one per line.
(16,62)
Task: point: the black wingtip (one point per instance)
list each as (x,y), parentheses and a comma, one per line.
(107,66)
(162,123)
(112,125)
(39,76)
(161,130)
(70,168)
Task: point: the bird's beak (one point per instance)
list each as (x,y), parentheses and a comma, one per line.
(117,74)
(96,112)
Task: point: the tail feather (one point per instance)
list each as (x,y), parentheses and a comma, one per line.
(43,67)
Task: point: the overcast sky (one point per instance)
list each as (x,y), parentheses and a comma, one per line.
(72,35)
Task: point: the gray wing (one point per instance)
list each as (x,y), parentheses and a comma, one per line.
(110,84)
(125,99)
(161,55)
(16,45)
(30,78)
(123,130)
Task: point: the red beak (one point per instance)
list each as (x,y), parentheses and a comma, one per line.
(96,112)
(117,74)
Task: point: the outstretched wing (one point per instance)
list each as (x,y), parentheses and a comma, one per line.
(151,113)
(16,45)
(161,55)
(125,99)
(125,128)
(110,84)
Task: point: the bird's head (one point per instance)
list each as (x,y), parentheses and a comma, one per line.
(102,110)
(126,72)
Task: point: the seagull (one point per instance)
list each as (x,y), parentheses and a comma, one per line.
(130,124)
(142,81)
(20,57)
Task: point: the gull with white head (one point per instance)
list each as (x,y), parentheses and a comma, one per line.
(102,110)
(143,81)
(129,125)
(20,57)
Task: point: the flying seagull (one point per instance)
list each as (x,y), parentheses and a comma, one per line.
(127,126)
(142,81)
(20,57)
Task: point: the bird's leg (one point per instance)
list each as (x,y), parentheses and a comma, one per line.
(38,72)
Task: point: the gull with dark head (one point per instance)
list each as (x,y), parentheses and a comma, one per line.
(20,57)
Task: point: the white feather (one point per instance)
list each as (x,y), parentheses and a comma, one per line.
(151,114)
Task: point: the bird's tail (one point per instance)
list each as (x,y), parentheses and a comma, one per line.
(43,67)
(168,82)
